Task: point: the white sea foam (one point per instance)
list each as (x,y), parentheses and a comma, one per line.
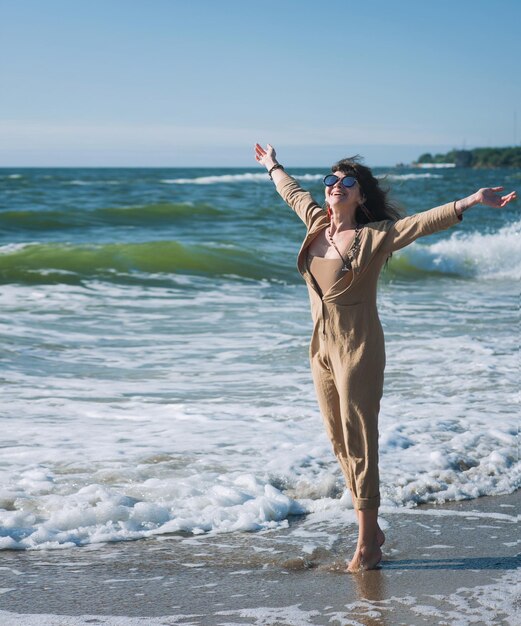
(309,176)
(291,615)
(260,177)
(80,182)
(233,178)
(221,178)
(437,166)
(489,256)
(13,247)
(148,411)
(98,513)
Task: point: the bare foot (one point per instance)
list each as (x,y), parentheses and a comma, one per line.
(366,557)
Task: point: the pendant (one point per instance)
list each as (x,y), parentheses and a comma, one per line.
(345,268)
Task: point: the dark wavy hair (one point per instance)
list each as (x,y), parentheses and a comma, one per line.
(376,205)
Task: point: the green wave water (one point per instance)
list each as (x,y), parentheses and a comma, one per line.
(76,263)
(56,262)
(145,216)
(73,225)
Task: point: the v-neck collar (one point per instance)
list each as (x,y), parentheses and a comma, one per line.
(303,266)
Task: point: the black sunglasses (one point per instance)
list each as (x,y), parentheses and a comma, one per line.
(332,179)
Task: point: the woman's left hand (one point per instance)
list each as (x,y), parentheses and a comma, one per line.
(490,197)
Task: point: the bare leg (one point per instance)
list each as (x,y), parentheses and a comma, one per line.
(380,537)
(368,553)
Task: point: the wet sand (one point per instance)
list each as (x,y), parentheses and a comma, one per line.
(449,564)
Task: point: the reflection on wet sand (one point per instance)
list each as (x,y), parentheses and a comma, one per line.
(371,589)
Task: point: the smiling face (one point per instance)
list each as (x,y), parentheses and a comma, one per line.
(343,198)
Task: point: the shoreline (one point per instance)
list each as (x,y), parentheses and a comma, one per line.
(439,562)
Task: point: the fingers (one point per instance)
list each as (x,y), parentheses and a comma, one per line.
(508,198)
(503,200)
(259,152)
(497,188)
(264,156)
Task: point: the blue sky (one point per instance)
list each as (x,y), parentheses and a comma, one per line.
(196,83)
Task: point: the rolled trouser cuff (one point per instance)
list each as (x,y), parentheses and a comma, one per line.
(362,504)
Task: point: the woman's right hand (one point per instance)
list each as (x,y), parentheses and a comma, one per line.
(267,157)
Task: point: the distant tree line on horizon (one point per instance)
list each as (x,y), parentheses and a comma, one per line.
(477,157)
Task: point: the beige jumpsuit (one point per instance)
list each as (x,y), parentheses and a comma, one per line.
(347,351)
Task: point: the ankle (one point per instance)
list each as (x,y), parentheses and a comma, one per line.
(367,538)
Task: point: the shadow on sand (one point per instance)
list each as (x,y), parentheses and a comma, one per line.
(499,563)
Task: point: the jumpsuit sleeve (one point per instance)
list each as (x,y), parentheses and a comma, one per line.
(299,200)
(405,230)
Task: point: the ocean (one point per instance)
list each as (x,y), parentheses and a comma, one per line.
(154,355)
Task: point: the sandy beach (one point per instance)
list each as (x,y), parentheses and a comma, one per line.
(449,564)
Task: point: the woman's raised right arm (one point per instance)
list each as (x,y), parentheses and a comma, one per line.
(299,200)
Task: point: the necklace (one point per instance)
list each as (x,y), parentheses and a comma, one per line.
(353,249)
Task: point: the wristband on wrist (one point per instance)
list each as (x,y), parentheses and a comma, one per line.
(277,166)
(458,215)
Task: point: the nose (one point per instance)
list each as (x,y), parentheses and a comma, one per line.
(338,186)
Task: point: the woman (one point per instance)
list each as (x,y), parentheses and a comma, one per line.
(343,252)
